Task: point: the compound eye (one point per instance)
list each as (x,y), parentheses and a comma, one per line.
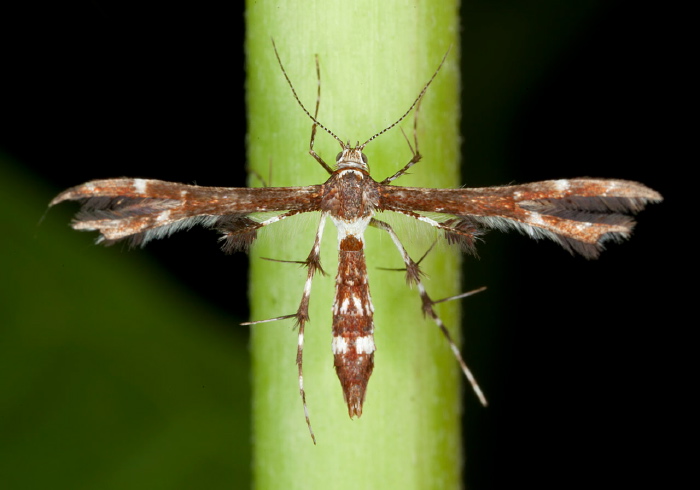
(337,157)
(364,158)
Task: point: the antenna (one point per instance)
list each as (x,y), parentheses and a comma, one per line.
(294,92)
(415,102)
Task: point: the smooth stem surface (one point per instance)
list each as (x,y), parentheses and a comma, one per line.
(375,57)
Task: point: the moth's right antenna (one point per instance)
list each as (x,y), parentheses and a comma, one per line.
(294,92)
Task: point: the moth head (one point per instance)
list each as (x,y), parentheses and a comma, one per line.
(352,157)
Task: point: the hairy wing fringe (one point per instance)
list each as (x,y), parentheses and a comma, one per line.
(105,207)
(140,220)
(584,223)
(572,245)
(582,208)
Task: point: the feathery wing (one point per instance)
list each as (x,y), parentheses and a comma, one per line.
(143,210)
(579,214)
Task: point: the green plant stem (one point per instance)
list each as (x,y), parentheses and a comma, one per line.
(374,57)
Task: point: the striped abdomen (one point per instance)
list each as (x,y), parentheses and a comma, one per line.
(353,326)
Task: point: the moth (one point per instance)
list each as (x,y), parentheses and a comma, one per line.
(580,214)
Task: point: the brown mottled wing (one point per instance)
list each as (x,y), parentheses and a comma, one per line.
(579,214)
(142,210)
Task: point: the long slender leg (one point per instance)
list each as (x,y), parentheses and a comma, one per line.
(318,98)
(313,126)
(414,149)
(239,232)
(257,175)
(463,235)
(313,265)
(413,274)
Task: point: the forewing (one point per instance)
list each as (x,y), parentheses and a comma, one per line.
(579,214)
(141,210)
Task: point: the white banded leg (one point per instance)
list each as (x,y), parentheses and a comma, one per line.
(252,227)
(413,274)
(313,265)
